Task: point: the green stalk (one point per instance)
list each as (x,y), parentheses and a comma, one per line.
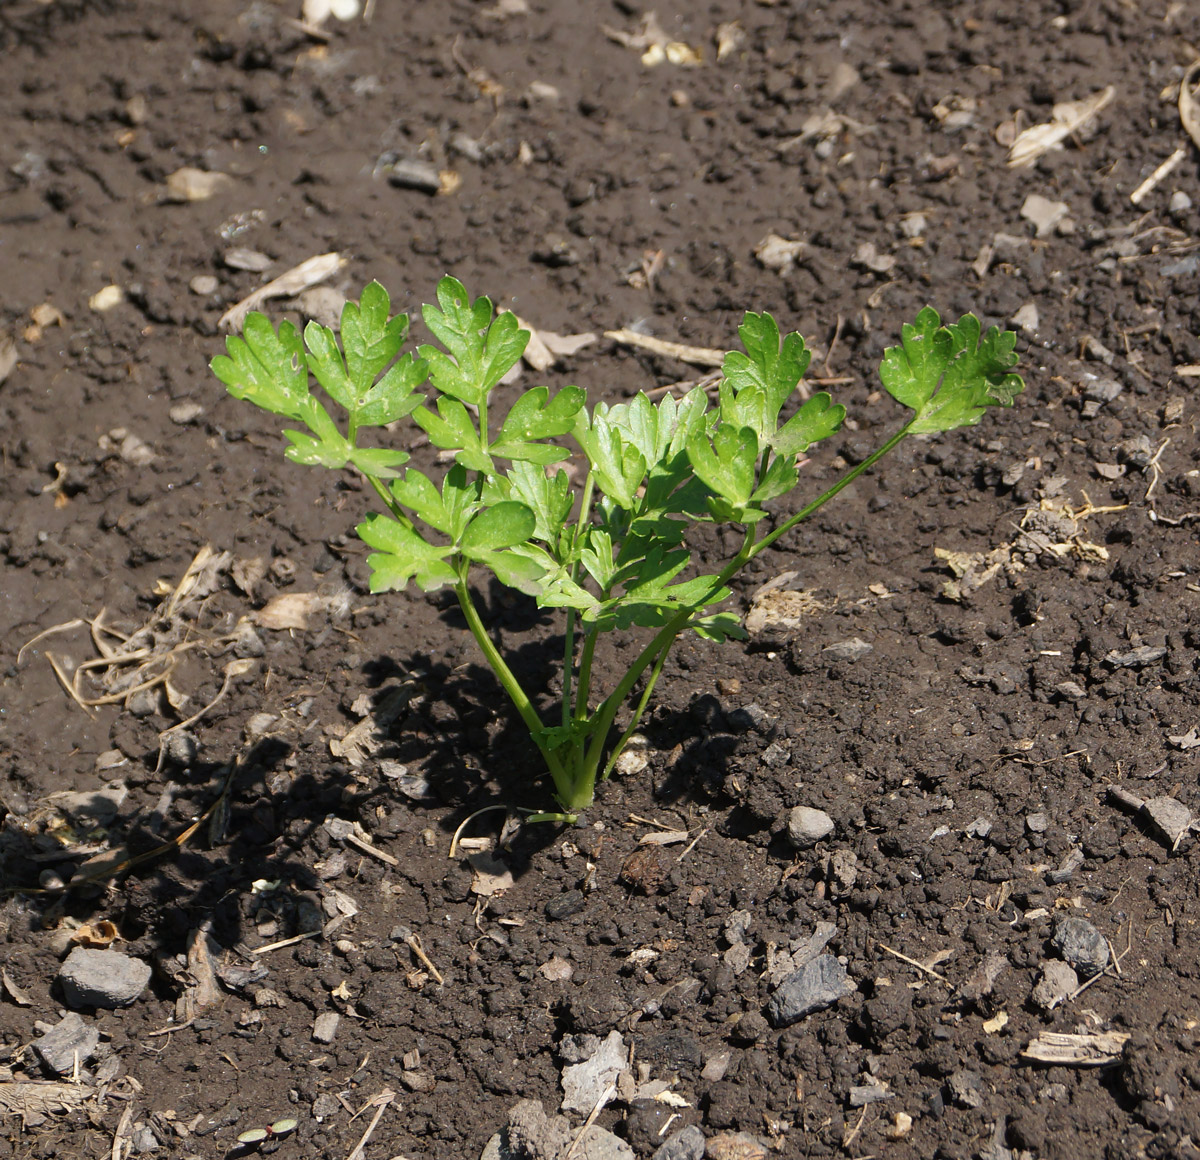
(585,511)
(636,720)
(512,686)
(825,497)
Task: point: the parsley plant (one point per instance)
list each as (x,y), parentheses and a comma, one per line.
(612,554)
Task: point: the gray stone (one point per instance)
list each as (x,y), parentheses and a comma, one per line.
(806,826)
(325,1026)
(600,1144)
(584,1083)
(1082,945)
(967,1089)
(92,978)
(1058,981)
(686,1144)
(813,987)
(68,1043)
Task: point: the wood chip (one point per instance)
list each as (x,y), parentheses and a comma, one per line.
(1068,117)
(699,356)
(307,273)
(1076,1050)
(1189,114)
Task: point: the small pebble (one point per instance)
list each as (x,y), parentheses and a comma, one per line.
(806,826)
(325,1027)
(107,298)
(184,413)
(204,285)
(686,1144)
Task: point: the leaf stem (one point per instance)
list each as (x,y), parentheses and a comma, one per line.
(508,680)
(826,496)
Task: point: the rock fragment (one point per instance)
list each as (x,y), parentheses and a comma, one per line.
(584,1083)
(813,987)
(686,1144)
(67,1044)
(807,826)
(108,979)
(325,1027)
(1058,981)
(1082,945)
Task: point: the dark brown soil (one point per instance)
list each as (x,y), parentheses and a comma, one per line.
(964,759)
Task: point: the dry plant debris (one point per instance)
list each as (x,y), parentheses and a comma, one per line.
(1067,117)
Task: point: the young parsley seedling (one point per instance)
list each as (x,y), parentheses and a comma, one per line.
(612,555)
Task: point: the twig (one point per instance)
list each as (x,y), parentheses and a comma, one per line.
(66,626)
(913,963)
(606,1095)
(466,822)
(699,356)
(849,1137)
(122,1131)
(691,845)
(384,1098)
(169,1030)
(284,942)
(1159,173)
(374,851)
(414,944)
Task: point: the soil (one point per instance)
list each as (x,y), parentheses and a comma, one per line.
(1027,588)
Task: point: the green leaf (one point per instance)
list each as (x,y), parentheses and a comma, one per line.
(719,627)
(536,416)
(380,462)
(325,362)
(416,491)
(950,374)
(453,429)
(761,380)
(779,478)
(506,524)
(481,351)
(597,557)
(727,464)
(817,419)
(403,555)
(515,568)
(369,338)
(549,499)
(617,464)
(266,368)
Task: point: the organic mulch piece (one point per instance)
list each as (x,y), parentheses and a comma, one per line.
(489,876)
(1043,214)
(8,355)
(1067,1050)
(1189,112)
(1067,117)
(14,992)
(700,356)
(776,608)
(30,1099)
(546,349)
(371,734)
(290,282)
(243,258)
